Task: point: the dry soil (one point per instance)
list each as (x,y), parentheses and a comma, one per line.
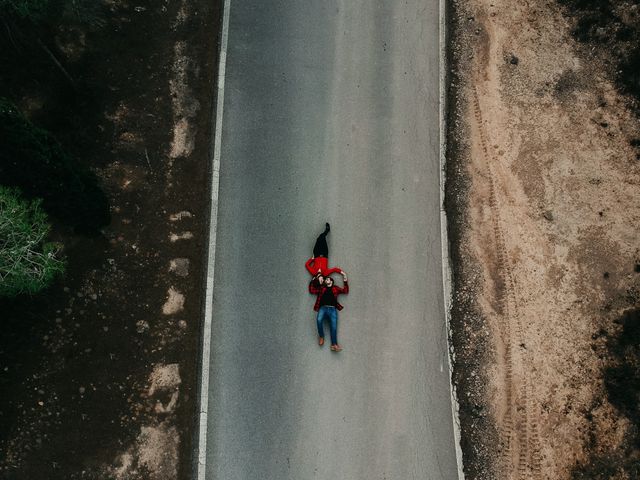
(543,193)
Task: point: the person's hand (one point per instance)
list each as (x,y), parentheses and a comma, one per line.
(344,276)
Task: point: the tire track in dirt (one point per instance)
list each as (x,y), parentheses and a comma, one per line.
(521,452)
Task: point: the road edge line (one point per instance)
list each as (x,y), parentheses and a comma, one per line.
(444,239)
(205,359)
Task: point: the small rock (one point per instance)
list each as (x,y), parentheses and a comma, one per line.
(164,378)
(179,266)
(180,215)
(548,215)
(174,237)
(513,60)
(81,390)
(142,326)
(174,302)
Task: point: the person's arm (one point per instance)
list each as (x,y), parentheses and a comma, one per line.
(314,286)
(334,270)
(345,285)
(309,265)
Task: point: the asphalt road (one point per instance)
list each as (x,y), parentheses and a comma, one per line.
(330,114)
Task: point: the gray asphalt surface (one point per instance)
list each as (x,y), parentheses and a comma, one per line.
(331,114)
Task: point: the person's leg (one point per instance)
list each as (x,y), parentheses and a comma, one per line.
(321,249)
(333,313)
(319,321)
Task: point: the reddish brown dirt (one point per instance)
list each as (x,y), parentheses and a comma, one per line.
(543,196)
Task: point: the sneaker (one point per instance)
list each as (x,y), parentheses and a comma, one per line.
(320,341)
(336,348)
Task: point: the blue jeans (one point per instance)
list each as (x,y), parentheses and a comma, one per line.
(332,313)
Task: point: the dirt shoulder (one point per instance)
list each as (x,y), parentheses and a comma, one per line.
(98,373)
(542,195)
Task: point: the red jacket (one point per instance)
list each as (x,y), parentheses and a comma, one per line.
(322,264)
(316,289)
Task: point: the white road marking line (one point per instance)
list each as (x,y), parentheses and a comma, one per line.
(213,225)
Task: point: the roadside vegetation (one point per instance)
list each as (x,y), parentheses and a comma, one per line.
(35,162)
(28,262)
(611,30)
(101,204)
(621,376)
(39,179)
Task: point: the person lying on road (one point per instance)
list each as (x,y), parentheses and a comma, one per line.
(327,305)
(318,263)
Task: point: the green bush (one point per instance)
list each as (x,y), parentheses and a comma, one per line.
(611,28)
(32,160)
(33,10)
(622,375)
(28,263)
(622,389)
(51,12)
